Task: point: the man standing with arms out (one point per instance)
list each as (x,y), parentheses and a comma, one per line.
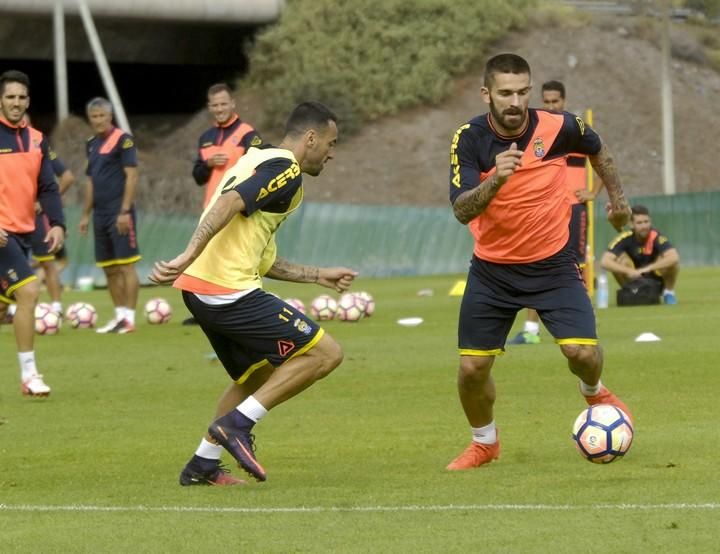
(223,144)
(648,252)
(507,182)
(271,351)
(25,175)
(110,195)
(553,97)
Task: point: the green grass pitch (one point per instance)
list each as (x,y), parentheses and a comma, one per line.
(356,463)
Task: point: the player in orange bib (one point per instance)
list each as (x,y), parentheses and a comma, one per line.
(26,176)
(508,184)
(224,143)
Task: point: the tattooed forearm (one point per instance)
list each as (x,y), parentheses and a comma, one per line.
(604,164)
(283,270)
(472,203)
(219,215)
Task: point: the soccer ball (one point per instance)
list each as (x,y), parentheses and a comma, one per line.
(323,307)
(296,303)
(47,322)
(351,307)
(71,310)
(81,315)
(602,433)
(157,311)
(369,302)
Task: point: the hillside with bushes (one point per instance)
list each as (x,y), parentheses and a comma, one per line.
(403,78)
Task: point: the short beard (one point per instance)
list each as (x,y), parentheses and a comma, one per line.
(500,118)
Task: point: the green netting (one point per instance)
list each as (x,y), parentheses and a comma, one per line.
(381,241)
(377,240)
(160,237)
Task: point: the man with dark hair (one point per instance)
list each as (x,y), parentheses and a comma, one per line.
(553,97)
(110,196)
(25,176)
(223,144)
(508,184)
(643,252)
(271,351)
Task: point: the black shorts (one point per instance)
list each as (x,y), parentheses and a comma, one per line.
(496,292)
(578,232)
(112,248)
(15,270)
(253,331)
(39,247)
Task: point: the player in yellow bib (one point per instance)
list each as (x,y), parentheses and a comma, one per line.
(271,351)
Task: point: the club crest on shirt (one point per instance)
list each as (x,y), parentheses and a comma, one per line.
(539,147)
(302,326)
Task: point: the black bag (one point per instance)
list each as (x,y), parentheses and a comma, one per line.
(640,292)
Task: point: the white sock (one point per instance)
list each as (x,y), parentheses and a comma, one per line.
(486,434)
(209,450)
(252,409)
(587,390)
(669,291)
(11,309)
(130,316)
(28,369)
(57,307)
(119,313)
(532,327)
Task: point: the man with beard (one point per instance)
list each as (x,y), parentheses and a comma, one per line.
(271,351)
(508,184)
(643,252)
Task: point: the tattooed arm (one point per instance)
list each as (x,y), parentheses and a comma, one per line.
(338,278)
(284,270)
(222,211)
(472,203)
(618,209)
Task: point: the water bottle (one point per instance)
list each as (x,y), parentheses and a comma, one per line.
(601,297)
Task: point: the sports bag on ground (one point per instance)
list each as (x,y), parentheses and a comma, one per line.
(639,292)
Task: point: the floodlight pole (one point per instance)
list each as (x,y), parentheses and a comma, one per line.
(103,66)
(61,81)
(667,106)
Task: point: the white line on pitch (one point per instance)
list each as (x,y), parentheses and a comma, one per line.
(365,509)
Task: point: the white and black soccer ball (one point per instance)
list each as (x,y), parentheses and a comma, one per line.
(157,311)
(323,307)
(350,307)
(602,433)
(369,302)
(47,321)
(81,315)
